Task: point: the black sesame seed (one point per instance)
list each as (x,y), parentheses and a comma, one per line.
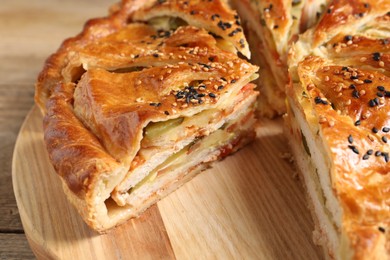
(214,16)
(375,130)
(380,94)
(233,81)
(348,38)
(355,94)
(329,11)
(366,5)
(384,139)
(357,123)
(366,157)
(368,81)
(385,129)
(353,148)
(386,156)
(376,56)
(378,153)
(211,59)
(370,152)
(350,139)
(387,93)
(344,68)
(192,12)
(372,103)
(212,95)
(276,26)
(166,112)
(381,229)
(155,104)
(354,77)
(220,87)
(155,55)
(381,88)
(352,86)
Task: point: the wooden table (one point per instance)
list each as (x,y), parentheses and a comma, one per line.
(29,32)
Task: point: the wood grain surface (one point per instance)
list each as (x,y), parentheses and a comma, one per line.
(247,207)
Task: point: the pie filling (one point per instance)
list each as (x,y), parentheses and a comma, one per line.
(308,152)
(179,166)
(163,141)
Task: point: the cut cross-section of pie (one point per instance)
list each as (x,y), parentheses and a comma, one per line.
(338,123)
(134,110)
(271,26)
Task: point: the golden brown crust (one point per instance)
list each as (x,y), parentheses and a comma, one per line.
(215,16)
(76,154)
(342,67)
(103,87)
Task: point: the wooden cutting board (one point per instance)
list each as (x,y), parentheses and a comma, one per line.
(249,206)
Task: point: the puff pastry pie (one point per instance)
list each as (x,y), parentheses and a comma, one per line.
(142,101)
(338,123)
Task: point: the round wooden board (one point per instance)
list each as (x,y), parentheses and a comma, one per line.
(248,206)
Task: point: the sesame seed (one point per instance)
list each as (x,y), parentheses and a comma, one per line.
(363,59)
(381,88)
(166,112)
(153,104)
(381,229)
(370,152)
(350,139)
(366,157)
(368,81)
(385,129)
(348,38)
(378,153)
(355,94)
(353,148)
(384,139)
(376,56)
(357,123)
(381,64)
(375,130)
(212,95)
(385,156)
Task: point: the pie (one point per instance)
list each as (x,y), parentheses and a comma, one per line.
(331,60)
(142,101)
(338,125)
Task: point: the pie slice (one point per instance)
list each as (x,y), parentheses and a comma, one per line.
(271,26)
(338,124)
(134,110)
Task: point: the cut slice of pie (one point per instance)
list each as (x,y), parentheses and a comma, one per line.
(133,110)
(271,26)
(338,124)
